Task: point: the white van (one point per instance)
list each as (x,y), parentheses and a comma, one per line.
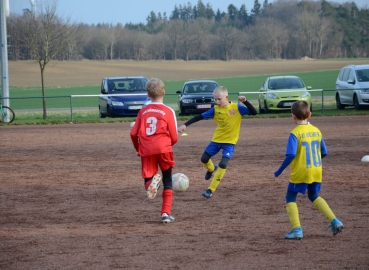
(352,87)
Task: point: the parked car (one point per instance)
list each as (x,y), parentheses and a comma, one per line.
(352,87)
(278,93)
(122,96)
(196,97)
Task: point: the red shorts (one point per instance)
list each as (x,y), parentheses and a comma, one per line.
(150,164)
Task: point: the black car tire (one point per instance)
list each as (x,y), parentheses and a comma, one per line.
(261,111)
(101,115)
(110,112)
(356,103)
(181,111)
(266,107)
(339,105)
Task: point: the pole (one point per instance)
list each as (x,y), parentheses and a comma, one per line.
(4,10)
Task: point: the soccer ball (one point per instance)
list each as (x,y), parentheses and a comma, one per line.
(180,182)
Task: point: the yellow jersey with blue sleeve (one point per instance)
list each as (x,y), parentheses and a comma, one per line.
(228,119)
(307,144)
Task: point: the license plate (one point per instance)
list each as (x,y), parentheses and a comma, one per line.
(288,104)
(134,107)
(204,106)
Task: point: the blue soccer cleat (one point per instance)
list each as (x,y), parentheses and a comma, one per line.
(295,234)
(207,194)
(336,226)
(208,174)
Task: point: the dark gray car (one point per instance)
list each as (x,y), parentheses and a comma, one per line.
(196,97)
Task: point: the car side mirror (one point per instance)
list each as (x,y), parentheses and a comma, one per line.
(309,87)
(351,81)
(103,91)
(262,90)
(178,92)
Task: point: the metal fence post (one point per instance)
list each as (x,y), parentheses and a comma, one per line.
(322,102)
(71,110)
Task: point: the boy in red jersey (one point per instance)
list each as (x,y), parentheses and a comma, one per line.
(305,150)
(228,116)
(153,135)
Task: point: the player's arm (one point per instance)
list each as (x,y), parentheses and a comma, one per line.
(134,134)
(172,127)
(206,115)
(249,109)
(291,151)
(323,148)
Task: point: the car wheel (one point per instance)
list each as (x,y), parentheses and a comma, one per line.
(110,112)
(338,103)
(181,111)
(261,111)
(356,103)
(266,107)
(101,115)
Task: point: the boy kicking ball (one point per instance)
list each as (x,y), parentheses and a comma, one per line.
(153,135)
(305,150)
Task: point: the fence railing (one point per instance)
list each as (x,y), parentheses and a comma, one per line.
(322,99)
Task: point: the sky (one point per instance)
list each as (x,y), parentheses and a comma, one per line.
(134,11)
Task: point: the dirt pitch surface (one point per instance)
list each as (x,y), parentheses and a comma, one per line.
(72,197)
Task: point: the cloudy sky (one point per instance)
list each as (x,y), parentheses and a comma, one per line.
(134,11)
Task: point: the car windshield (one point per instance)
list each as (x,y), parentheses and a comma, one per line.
(200,88)
(118,86)
(362,75)
(285,83)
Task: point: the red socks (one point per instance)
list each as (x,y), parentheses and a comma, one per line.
(167,201)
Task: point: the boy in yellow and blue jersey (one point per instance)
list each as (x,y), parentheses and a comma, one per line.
(227,115)
(305,150)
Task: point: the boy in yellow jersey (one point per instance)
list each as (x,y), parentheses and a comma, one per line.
(227,115)
(305,150)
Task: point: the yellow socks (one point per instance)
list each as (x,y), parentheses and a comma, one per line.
(293,214)
(324,208)
(209,166)
(218,176)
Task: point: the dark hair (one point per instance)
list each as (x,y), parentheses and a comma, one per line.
(301,109)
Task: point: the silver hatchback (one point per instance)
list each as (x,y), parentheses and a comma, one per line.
(352,87)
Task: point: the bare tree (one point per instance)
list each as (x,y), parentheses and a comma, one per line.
(173,30)
(46,35)
(228,37)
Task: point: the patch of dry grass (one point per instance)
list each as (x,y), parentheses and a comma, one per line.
(76,73)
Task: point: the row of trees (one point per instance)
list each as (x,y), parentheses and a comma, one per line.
(287,29)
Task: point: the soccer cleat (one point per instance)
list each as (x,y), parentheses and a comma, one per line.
(294,234)
(165,218)
(208,174)
(154,186)
(207,194)
(336,226)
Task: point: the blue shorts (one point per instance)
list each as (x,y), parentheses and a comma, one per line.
(312,188)
(213,148)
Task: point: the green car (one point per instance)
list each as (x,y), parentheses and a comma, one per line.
(278,93)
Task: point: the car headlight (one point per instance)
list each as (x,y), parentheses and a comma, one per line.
(271,95)
(117,103)
(187,100)
(305,94)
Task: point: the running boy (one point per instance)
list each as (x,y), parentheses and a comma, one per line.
(227,115)
(305,150)
(153,135)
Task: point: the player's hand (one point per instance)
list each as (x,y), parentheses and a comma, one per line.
(242,98)
(181,128)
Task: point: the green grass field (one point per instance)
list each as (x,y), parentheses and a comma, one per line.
(27,101)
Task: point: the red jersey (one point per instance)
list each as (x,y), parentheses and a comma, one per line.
(155,130)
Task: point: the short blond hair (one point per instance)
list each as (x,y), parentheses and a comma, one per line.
(220,90)
(155,88)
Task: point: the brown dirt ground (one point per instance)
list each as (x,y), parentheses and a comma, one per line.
(71,73)
(72,198)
